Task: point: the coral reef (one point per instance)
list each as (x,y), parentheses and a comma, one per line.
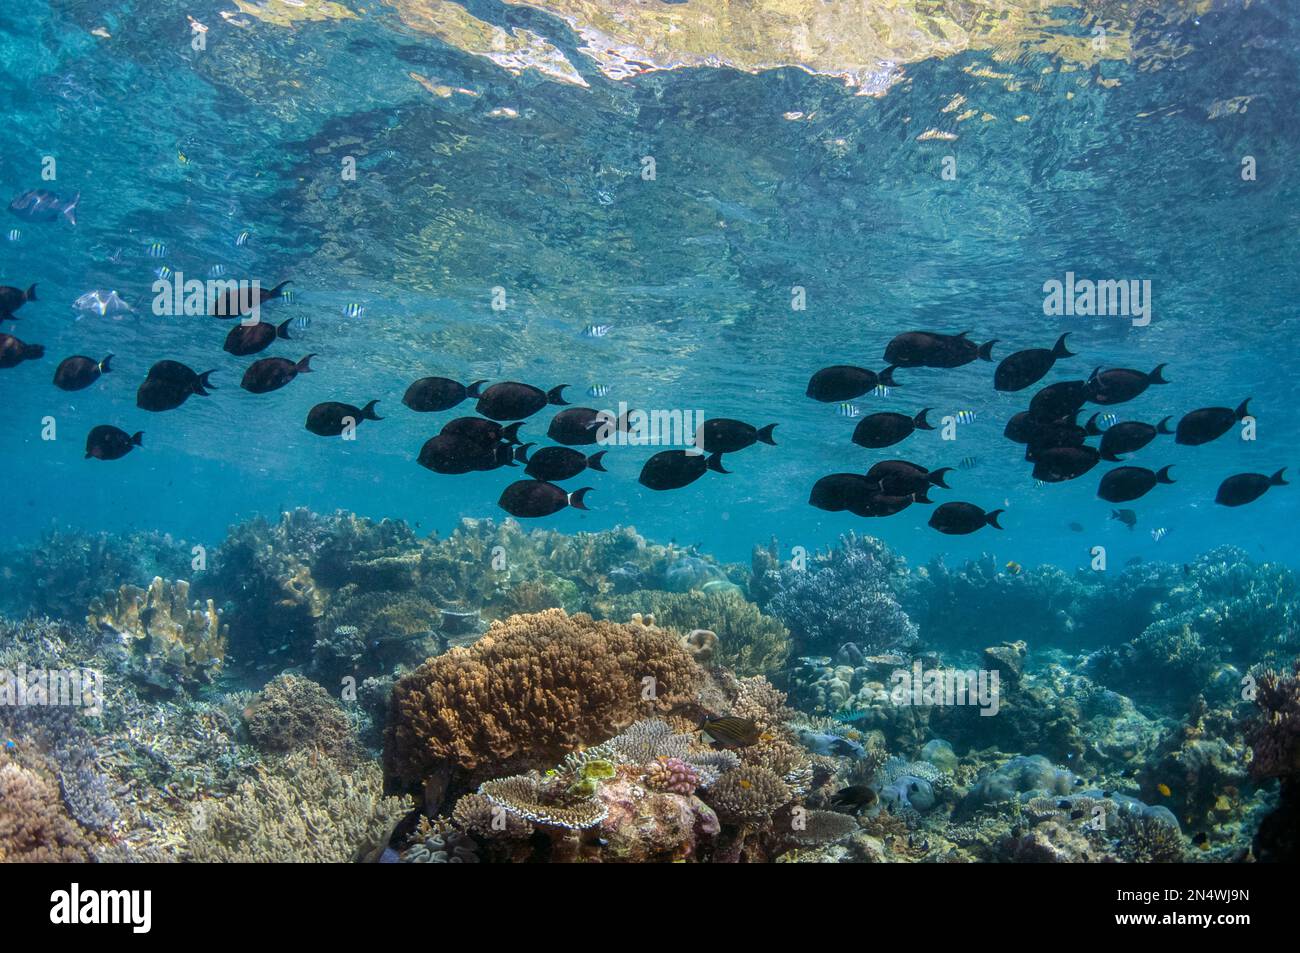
(33,824)
(530,691)
(293,713)
(307,810)
(171,644)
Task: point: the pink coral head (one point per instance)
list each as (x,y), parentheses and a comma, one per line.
(673,775)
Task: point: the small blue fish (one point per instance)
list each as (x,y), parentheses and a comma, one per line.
(848,410)
(10,743)
(156,250)
(300,323)
(965,416)
(14,235)
(355,311)
(242,238)
(597,330)
(217,271)
(1106,421)
(969,463)
(288,296)
(1159,533)
(598,390)
(880,390)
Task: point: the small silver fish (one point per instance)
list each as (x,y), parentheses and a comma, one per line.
(597,330)
(355,311)
(217,271)
(1159,533)
(242,239)
(302,322)
(598,390)
(14,235)
(880,390)
(969,463)
(288,295)
(848,410)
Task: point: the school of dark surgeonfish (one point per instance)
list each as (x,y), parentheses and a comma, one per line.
(1056,444)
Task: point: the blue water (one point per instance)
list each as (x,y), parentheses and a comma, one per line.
(1130,178)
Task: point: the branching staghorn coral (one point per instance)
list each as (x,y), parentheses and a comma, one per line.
(531,690)
(306,810)
(1274,733)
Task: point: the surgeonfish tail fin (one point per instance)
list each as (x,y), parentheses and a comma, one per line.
(368,411)
(593,461)
(1276,478)
(203,385)
(282,330)
(511,433)
(919,421)
(556,396)
(137,438)
(714,463)
(577,498)
(765,434)
(992,519)
(1091,428)
(475,389)
(1059,350)
(1243,411)
(1163,426)
(521,452)
(304,366)
(1162,475)
(279,289)
(1155,377)
(30,293)
(985,351)
(886,376)
(936,477)
(104,367)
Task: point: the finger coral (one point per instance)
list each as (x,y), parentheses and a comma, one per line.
(533,689)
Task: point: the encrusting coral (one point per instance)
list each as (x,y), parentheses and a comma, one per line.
(531,690)
(170,644)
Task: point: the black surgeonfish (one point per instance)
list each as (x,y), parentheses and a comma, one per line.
(453,454)
(1120,384)
(526,499)
(1062,399)
(430,394)
(484,432)
(169,384)
(674,469)
(929,349)
(1129,483)
(1128,436)
(854,798)
(959,519)
(1017,371)
(272,373)
(723,435)
(557,463)
(584,426)
(1028,428)
(107,442)
(1246,488)
(511,400)
(1064,463)
(1209,423)
(887,428)
(331,418)
(837,491)
(238,301)
(246,339)
(841,382)
(1128,517)
(13,351)
(901,478)
(11,299)
(78,372)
